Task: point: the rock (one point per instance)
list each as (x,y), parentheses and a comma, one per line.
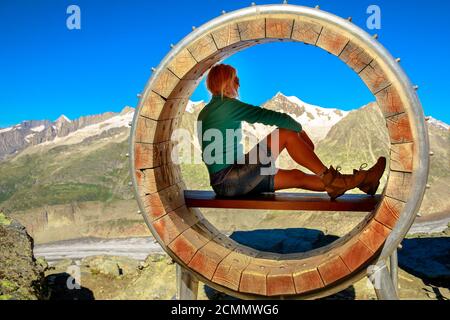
(156,281)
(111,265)
(21,276)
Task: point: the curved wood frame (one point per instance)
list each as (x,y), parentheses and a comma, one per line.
(197,245)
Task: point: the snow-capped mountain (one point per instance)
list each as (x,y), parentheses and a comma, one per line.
(317,121)
(438,124)
(36,132)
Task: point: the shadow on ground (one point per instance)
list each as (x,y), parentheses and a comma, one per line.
(59,290)
(428,259)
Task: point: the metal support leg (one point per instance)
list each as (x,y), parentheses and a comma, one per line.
(382,281)
(187,285)
(393,268)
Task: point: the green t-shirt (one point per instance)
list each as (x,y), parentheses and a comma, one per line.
(221,120)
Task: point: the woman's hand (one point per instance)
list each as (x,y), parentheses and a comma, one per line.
(306,138)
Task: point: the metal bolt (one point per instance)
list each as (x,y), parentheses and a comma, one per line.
(223,12)
(139,212)
(398,59)
(130,183)
(431,153)
(350,19)
(253,4)
(127,155)
(427,118)
(317,7)
(139,95)
(130,124)
(416,87)
(428,186)
(285,2)
(153,69)
(400,247)
(193,27)
(375,36)
(419,214)
(172,45)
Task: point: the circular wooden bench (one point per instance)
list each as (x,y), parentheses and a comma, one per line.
(197,245)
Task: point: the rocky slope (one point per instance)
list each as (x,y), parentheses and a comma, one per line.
(21,276)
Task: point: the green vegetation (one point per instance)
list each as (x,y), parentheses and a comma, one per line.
(4,221)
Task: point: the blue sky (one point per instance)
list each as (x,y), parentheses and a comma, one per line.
(47,70)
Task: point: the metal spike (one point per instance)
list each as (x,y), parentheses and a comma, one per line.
(223,12)
(427,118)
(350,19)
(398,59)
(172,45)
(428,186)
(153,69)
(419,214)
(285,2)
(400,247)
(130,183)
(253,4)
(193,27)
(431,153)
(416,87)
(130,124)
(127,155)
(375,36)
(139,212)
(317,7)
(139,95)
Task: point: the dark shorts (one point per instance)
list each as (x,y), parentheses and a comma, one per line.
(246,178)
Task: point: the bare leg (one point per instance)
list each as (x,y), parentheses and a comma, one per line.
(299,150)
(287,179)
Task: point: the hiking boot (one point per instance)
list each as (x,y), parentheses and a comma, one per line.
(336,184)
(372,177)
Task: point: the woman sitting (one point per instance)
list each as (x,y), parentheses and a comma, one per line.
(233,173)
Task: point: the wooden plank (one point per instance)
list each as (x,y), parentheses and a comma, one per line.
(145,130)
(279,28)
(184,89)
(207,259)
(390,102)
(399,185)
(332,41)
(164,201)
(186,245)
(171,225)
(152,105)
(182,63)
(282,201)
(355,57)
(149,155)
(226,36)
(280,280)
(355,254)
(229,270)
(306,31)
(254,277)
(202,48)
(402,157)
(374,77)
(173,108)
(165,83)
(374,235)
(159,178)
(162,132)
(307,280)
(399,129)
(252,29)
(333,270)
(389,212)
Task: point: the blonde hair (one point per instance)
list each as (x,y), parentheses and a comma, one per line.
(219,77)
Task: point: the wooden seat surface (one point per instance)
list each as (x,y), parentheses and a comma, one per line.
(282,201)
